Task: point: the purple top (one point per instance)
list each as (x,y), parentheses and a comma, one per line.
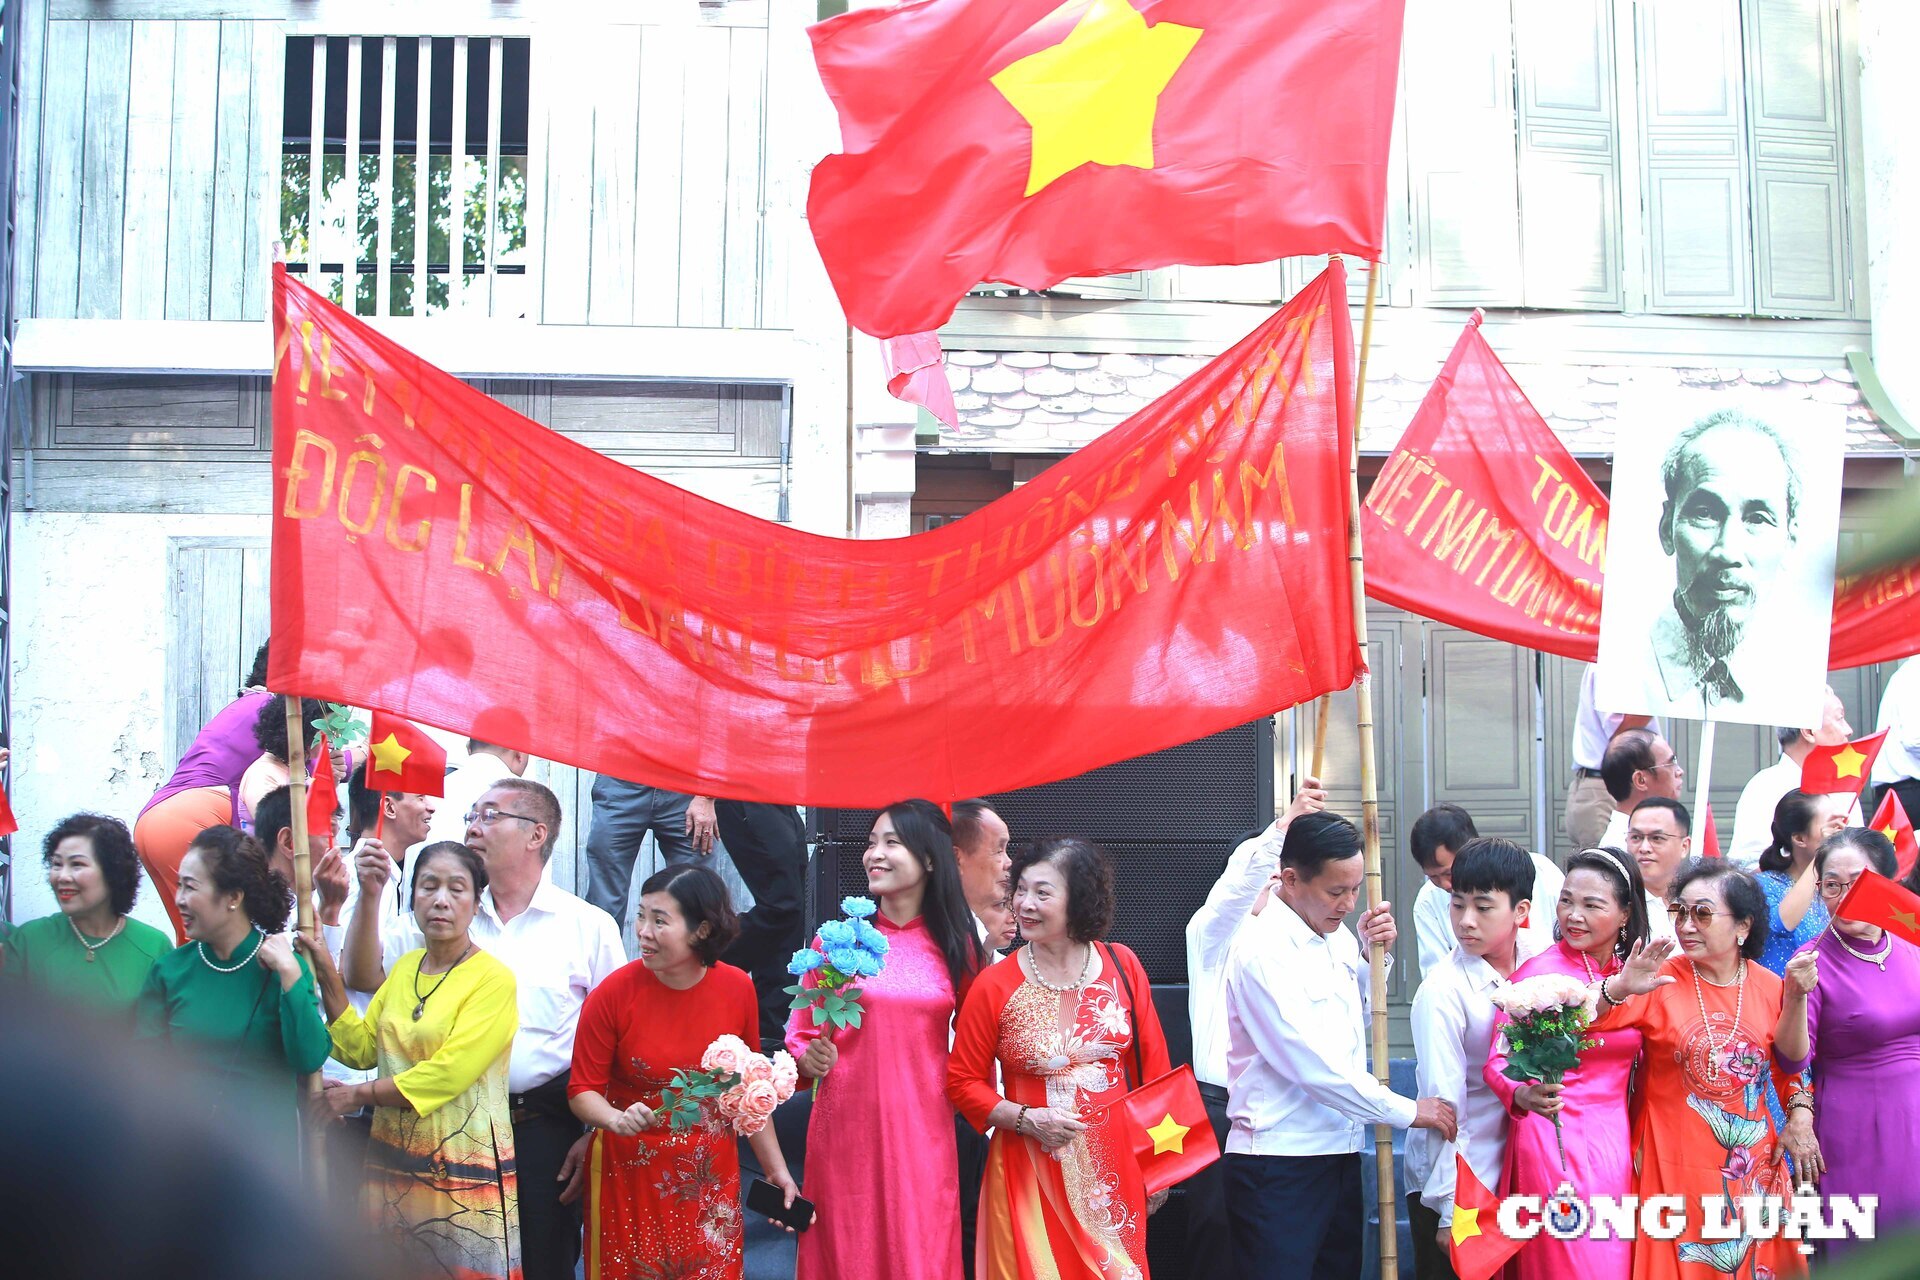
(1863,1026)
(220,752)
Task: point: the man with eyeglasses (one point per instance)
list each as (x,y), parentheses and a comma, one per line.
(559,948)
(1639,764)
(1660,838)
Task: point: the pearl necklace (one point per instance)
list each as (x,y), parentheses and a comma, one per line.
(233,968)
(1879,960)
(92,947)
(1086,970)
(1715,1050)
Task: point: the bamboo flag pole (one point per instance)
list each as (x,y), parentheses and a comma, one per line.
(297,782)
(1320,738)
(1370,803)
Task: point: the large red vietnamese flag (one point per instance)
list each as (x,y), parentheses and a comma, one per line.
(1026,141)
(442,558)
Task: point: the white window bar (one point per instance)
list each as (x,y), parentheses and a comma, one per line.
(383,193)
(457,184)
(422,205)
(350,215)
(316,181)
(496,72)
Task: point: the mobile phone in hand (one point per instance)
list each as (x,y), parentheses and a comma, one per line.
(770,1201)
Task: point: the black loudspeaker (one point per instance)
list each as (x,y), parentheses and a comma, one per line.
(1167,820)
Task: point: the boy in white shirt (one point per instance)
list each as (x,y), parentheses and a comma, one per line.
(1452,1030)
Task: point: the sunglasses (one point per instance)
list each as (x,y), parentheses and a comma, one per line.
(1703,915)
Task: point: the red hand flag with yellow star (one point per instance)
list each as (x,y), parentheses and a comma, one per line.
(402,758)
(1876,900)
(1168,1127)
(1891,821)
(1828,770)
(1027,141)
(1477,1247)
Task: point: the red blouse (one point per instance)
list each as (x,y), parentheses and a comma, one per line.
(635,1031)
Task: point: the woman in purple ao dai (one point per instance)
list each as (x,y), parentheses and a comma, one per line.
(1601,914)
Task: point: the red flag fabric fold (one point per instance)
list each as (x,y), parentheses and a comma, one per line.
(1026,141)
(917,374)
(442,558)
(8,824)
(323,797)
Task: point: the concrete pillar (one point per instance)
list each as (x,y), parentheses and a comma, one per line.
(1889,105)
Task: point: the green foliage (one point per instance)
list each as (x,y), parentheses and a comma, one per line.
(685,1097)
(342,725)
(833,997)
(1545,1046)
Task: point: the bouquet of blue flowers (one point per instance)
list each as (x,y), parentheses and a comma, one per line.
(849,950)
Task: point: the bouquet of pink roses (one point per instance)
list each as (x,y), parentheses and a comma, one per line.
(743,1086)
(1548,1018)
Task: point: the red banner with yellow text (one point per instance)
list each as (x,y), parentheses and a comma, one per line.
(1481,519)
(439,556)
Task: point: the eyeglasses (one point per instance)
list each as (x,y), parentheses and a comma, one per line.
(1658,839)
(1668,763)
(488,814)
(1836,888)
(1703,915)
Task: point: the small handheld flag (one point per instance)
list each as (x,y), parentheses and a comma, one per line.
(1167,1126)
(8,824)
(1477,1247)
(402,758)
(1876,900)
(322,798)
(1891,821)
(1828,770)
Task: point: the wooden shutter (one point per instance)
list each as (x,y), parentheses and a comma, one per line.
(1569,154)
(1793,114)
(1693,144)
(1460,150)
(219,617)
(1480,713)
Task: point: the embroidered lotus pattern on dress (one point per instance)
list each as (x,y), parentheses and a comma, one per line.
(1080,1065)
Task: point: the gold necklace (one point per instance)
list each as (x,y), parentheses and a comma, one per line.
(92,947)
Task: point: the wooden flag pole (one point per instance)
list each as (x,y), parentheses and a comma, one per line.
(297,783)
(1370,803)
(303,892)
(1320,739)
(1701,780)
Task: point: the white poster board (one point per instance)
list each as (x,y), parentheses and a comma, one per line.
(1720,547)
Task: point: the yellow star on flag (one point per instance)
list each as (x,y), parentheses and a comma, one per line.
(1466,1224)
(1169,1135)
(388,755)
(1905,918)
(1847,762)
(1091,98)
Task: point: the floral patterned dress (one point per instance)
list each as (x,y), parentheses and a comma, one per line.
(1079,1212)
(661,1205)
(1703,1129)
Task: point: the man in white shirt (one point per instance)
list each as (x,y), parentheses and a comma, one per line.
(1437,835)
(1639,763)
(1753,818)
(1660,839)
(1209,936)
(1899,763)
(559,948)
(1488,908)
(1588,804)
(1300,1096)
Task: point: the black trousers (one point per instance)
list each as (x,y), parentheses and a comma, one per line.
(1296,1216)
(1209,1239)
(768,845)
(971,1147)
(542,1135)
(1430,1261)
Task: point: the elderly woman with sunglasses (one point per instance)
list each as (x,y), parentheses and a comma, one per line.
(1707,1018)
(1853,1012)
